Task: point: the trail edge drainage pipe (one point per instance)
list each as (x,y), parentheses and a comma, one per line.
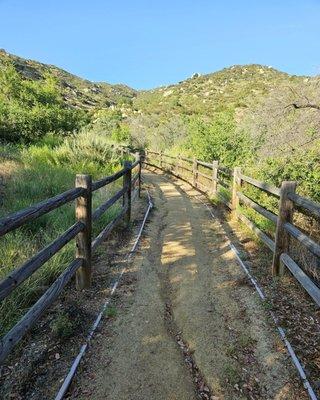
(291,352)
(68,379)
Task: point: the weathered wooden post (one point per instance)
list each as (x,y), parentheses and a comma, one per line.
(282,239)
(215,166)
(127,194)
(195,172)
(235,187)
(143,157)
(138,158)
(83,239)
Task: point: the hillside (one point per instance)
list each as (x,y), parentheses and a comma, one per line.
(237,87)
(267,104)
(76,92)
(248,115)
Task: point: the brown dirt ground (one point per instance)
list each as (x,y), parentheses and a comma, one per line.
(188,323)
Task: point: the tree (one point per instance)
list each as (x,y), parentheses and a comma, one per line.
(218,139)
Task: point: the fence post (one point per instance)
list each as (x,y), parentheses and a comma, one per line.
(143,156)
(195,172)
(235,187)
(83,240)
(215,166)
(127,194)
(138,158)
(282,239)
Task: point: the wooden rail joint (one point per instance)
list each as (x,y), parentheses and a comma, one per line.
(195,172)
(235,188)
(282,239)
(215,166)
(127,194)
(83,239)
(138,158)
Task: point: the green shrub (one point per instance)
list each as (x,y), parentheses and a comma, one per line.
(218,140)
(31,108)
(111,312)
(303,167)
(62,326)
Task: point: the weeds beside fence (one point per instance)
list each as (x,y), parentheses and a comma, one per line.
(81,230)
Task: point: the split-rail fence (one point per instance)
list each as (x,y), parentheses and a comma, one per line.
(205,176)
(208,176)
(81,230)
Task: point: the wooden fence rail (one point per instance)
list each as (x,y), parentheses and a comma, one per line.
(233,181)
(81,230)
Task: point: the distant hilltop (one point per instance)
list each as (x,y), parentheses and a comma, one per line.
(77,92)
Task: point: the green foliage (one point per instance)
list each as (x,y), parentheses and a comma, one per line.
(62,326)
(77,93)
(303,166)
(111,312)
(110,124)
(42,171)
(50,140)
(31,108)
(106,120)
(121,134)
(217,140)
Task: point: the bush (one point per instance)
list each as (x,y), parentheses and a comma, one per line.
(303,166)
(62,327)
(218,140)
(110,124)
(29,109)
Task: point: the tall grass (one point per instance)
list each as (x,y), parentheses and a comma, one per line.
(42,171)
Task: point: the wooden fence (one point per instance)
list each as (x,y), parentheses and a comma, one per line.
(81,230)
(208,177)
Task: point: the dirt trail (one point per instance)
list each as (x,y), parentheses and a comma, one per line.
(189,325)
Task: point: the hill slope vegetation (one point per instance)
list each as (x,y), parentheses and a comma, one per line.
(251,115)
(266,103)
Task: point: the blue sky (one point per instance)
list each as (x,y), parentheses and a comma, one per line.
(151,43)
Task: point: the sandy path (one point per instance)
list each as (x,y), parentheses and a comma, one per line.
(189,325)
